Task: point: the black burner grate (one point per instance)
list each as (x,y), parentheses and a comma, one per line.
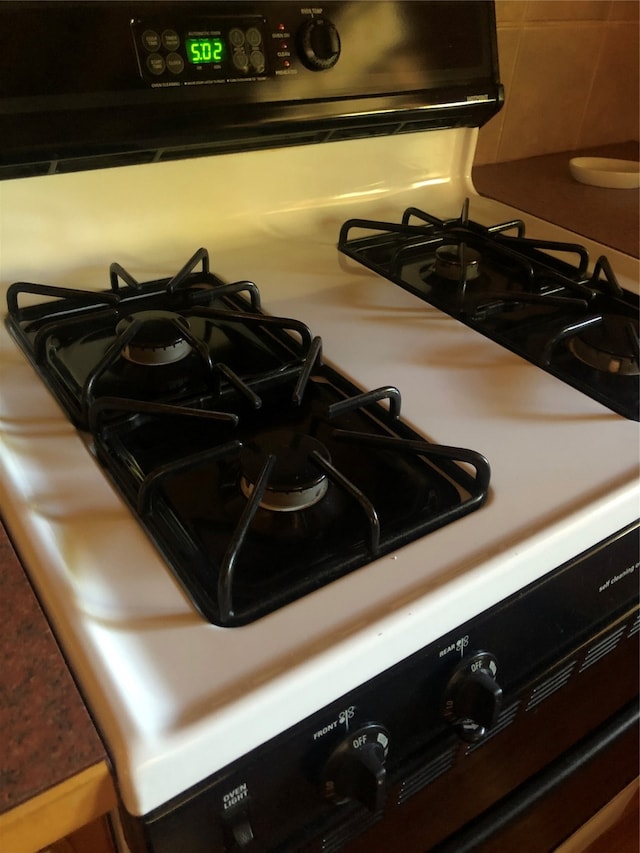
(260,473)
(534,297)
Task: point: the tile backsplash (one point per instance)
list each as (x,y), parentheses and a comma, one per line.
(570,70)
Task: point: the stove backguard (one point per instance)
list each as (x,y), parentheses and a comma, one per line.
(140,82)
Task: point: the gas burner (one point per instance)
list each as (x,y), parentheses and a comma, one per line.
(611,346)
(245,450)
(295,482)
(534,297)
(457,262)
(159,338)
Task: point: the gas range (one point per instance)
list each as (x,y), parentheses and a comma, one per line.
(433,658)
(128,627)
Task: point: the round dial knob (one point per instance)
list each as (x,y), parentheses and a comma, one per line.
(473,697)
(356,768)
(319,44)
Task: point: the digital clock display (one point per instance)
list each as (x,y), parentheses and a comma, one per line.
(204,50)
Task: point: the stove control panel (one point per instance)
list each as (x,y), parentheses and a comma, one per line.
(435,737)
(195,50)
(208,50)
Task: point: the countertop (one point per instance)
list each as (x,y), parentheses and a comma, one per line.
(543,186)
(54,772)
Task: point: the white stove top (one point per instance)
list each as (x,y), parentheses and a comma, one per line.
(175,697)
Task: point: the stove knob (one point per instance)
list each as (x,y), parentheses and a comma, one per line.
(356,768)
(319,44)
(473,697)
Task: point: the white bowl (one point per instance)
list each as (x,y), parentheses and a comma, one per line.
(605,172)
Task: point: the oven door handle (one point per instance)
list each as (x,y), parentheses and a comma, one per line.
(529,797)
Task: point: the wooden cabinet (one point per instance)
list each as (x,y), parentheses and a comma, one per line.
(614,829)
(79,803)
(95,837)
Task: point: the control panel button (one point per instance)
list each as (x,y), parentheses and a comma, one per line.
(356,768)
(254,36)
(241,60)
(257,60)
(175,63)
(236,37)
(156,64)
(473,697)
(170,40)
(151,41)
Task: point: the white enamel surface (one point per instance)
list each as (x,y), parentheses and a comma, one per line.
(176,698)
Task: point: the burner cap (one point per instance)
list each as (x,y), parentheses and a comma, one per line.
(296,482)
(457,262)
(608,347)
(159,340)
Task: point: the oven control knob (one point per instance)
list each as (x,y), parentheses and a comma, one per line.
(473,697)
(356,768)
(319,44)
